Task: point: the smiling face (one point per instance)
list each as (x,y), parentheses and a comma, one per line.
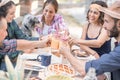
(11,13)
(93,15)
(3,27)
(49,13)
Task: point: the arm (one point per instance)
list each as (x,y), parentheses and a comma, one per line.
(25,44)
(77,64)
(103,37)
(89,51)
(13,45)
(86,48)
(107,62)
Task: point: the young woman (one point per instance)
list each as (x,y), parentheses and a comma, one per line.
(94,39)
(107,62)
(51,22)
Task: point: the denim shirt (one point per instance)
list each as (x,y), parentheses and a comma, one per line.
(107,63)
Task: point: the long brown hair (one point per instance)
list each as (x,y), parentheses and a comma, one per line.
(55,5)
(100,19)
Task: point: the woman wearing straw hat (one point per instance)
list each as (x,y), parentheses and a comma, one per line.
(107,62)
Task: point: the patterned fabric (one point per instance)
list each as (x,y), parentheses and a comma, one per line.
(14,32)
(8,46)
(57,24)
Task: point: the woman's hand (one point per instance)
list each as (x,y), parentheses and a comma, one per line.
(96,55)
(72,41)
(45,41)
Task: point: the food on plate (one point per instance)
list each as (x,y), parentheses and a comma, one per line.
(77,52)
(61,69)
(58,77)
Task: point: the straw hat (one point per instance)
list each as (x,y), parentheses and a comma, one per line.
(3,2)
(113,10)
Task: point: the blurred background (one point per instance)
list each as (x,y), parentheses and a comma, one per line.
(73,11)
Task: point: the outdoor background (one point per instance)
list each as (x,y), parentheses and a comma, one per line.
(73,11)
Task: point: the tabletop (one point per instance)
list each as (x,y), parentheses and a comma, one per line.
(40,71)
(43,72)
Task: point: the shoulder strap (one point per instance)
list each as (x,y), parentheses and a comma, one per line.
(88,26)
(100,31)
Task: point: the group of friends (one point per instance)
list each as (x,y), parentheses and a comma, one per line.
(103,24)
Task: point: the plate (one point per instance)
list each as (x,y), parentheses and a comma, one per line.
(33,65)
(29,56)
(58,77)
(61,69)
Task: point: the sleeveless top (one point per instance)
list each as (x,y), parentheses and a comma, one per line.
(105,48)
